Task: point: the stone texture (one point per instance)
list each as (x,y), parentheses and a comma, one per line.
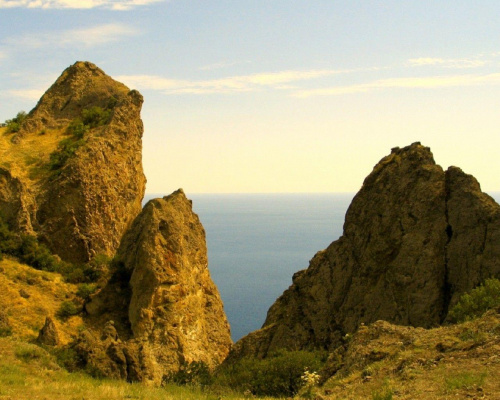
(48,335)
(84,208)
(175,314)
(415,238)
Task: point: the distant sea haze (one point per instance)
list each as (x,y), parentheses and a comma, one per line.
(256,242)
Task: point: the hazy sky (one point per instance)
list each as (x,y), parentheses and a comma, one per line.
(275,95)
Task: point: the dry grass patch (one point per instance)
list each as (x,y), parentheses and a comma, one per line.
(28,295)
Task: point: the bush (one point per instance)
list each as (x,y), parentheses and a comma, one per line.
(9,242)
(278,375)
(37,255)
(66,148)
(77,128)
(85,290)
(477,302)
(67,309)
(195,373)
(14,124)
(95,116)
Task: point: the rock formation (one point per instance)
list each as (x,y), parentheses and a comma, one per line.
(415,238)
(78,192)
(174,315)
(48,335)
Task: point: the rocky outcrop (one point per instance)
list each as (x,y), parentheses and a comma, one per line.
(415,238)
(174,315)
(49,335)
(81,206)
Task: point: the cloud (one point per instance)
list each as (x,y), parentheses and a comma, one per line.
(447,63)
(243,83)
(27,94)
(88,37)
(78,4)
(223,64)
(431,82)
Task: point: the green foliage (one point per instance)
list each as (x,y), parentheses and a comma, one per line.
(85,290)
(467,380)
(28,352)
(278,375)
(77,128)
(5,331)
(68,358)
(37,255)
(95,116)
(14,124)
(65,150)
(90,118)
(477,302)
(9,242)
(195,373)
(67,309)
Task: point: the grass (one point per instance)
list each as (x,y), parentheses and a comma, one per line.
(465,380)
(28,372)
(47,292)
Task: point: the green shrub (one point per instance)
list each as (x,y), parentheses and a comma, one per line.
(37,255)
(195,373)
(77,128)
(278,375)
(477,302)
(68,358)
(95,116)
(85,290)
(5,331)
(9,242)
(67,309)
(14,124)
(65,150)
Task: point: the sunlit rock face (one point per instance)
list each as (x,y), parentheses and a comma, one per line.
(82,207)
(415,238)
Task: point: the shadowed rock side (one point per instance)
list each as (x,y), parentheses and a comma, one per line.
(415,238)
(175,313)
(83,206)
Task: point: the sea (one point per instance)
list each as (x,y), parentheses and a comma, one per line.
(256,242)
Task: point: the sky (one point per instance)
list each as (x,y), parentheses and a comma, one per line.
(266,96)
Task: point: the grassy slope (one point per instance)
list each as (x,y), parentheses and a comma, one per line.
(27,296)
(28,158)
(453,362)
(27,372)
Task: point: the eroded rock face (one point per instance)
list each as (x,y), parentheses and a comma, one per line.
(415,238)
(82,208)
(175,313)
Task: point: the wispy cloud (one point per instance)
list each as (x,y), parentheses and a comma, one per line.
(78,4)
(430,82)
(27,94)
(223,64)
(88,37)
(447,63)
(243,83)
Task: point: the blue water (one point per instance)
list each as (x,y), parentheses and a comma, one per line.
(256,242)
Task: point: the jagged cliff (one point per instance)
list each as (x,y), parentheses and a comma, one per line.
(169,311)
(415,238)
(73,174)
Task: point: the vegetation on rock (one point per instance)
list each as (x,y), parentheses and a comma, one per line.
(477,302)
(14,124)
